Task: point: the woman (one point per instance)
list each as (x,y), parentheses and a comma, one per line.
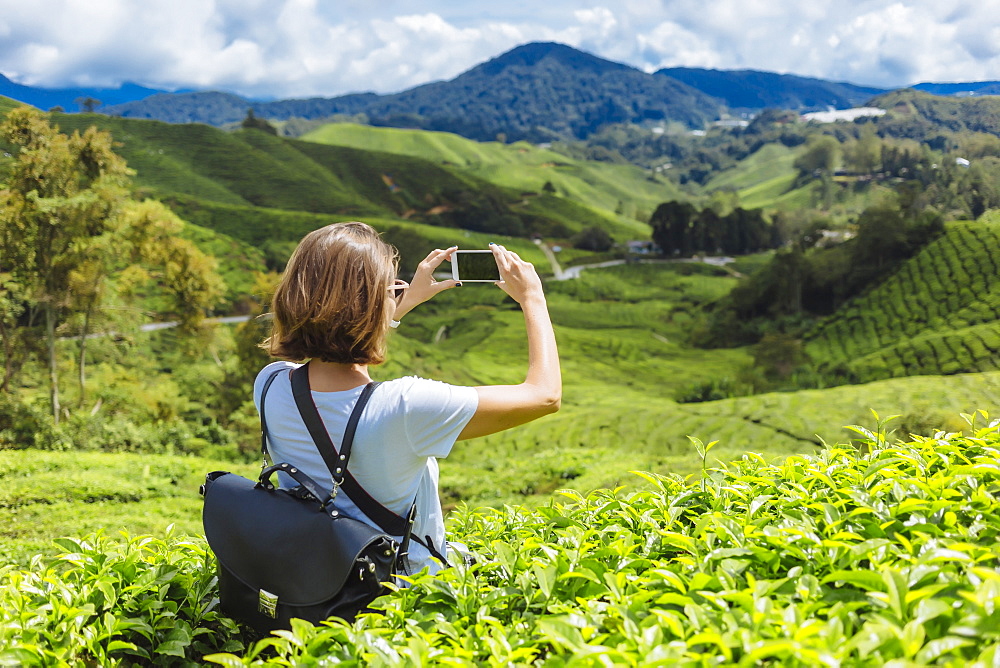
(334,306)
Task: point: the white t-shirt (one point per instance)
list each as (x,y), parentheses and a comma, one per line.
(407,424)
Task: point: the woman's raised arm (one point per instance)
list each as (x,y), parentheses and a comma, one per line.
(504,406)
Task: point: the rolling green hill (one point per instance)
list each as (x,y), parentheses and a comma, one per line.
(7,104)
(937,314)
(594,442)
(622,337)
(522,166)
(253,169)
(916,114)
(624,331)
(766,178)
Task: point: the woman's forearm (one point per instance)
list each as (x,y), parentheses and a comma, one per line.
(543,355)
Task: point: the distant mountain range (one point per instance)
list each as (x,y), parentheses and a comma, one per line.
(974,89)
(67,98)
(751,90)
(539,92)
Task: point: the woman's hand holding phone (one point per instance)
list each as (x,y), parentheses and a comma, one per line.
(517,277)
(423,286)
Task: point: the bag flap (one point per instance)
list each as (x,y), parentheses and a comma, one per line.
(289,547)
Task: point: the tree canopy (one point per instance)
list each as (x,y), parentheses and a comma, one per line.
(68,225)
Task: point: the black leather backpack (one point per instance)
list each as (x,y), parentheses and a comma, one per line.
(291,553)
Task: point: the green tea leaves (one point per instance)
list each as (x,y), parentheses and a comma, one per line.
(853,557)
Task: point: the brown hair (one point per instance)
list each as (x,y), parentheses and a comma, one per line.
(332,302)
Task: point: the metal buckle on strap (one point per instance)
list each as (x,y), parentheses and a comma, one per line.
(267,604)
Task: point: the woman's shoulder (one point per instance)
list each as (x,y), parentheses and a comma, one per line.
(267,372)
(431,413)
(408,384)
(415,391)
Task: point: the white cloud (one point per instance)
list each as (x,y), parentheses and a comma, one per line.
(670,45)
(283,48)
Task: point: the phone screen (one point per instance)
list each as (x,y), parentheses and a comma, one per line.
(475,266)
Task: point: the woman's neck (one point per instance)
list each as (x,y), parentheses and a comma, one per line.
(333,377)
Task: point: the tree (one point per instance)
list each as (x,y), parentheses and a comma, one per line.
(865,155)
(593,238)
(251,122)
(822,154)
(671,223)
(87,104)
(681,229)
(67,223)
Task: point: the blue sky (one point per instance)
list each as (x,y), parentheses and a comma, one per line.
(296,48)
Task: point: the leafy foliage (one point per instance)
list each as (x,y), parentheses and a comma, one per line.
(144,600)
(67,222)
(799,283)
(680,229)
(859,555)
(919,114)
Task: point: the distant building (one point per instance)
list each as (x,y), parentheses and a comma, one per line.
(962,162)
(642,248)
(834,115)
(731,123)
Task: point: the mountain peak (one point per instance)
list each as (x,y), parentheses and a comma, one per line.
(531,54)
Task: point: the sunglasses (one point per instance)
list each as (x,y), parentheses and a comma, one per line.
(397,289)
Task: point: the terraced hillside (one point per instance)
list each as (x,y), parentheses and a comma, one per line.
(603,186)
(939,313)
(247,169)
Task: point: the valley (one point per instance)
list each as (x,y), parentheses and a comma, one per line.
(764,400)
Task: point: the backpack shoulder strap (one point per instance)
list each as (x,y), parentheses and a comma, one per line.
(337,461)
(263,420)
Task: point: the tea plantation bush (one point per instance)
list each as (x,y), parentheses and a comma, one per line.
(937,314)
(866,555)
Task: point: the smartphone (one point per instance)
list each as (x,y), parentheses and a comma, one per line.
(474,266)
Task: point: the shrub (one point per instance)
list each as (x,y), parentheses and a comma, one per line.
(871,555)
(24,424)
(593,239)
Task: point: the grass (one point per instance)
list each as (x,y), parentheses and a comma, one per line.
(45,495)
(237,260)
(770,162)
(622,336)
(766,179)
(622,333)
(276,231)
(592,443)
(7,104)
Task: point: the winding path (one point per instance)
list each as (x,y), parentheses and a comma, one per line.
(561,274)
